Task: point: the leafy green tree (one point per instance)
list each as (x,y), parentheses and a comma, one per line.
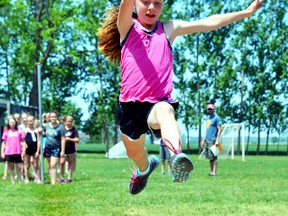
(103,123)
(261,58)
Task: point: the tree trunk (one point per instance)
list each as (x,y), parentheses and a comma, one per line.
(258,142)
(239,141)
(115,137)
(7,76)
(116,128)
(287,147)
(33,98)
(106,138)
(188,139)
(278,145)
(267,140)
(248,140)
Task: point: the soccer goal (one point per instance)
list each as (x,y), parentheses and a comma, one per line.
(229,140)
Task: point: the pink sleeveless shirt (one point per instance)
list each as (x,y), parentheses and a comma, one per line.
(147,66)
(13,140)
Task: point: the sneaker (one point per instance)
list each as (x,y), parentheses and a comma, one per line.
(181,167)
(138,183)
(68,180)
(60,180)
(37,180)
(4,177)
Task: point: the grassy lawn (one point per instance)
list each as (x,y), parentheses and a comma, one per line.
(258,186)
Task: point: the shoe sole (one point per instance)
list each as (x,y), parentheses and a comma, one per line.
(181,167)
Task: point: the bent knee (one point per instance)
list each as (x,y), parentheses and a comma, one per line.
(164,109)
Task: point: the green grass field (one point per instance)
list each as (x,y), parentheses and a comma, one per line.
(258,186)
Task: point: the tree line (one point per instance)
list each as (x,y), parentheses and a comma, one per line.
(243,67)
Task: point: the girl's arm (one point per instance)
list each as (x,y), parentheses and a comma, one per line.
(125,21)
(75,139)
(176,28)
(24,147)
(63,142)
(38,143)
(3,149)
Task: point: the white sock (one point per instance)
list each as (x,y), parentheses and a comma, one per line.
(144,172)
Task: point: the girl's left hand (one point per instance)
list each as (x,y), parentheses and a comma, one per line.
(36,155)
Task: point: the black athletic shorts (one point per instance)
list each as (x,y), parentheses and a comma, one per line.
(133,118)
(14,158)
(31,150)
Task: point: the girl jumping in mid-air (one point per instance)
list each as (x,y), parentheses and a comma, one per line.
(133,36)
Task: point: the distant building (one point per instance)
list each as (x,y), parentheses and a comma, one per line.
(7,108)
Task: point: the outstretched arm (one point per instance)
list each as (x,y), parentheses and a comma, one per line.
(125,21)
(176,28)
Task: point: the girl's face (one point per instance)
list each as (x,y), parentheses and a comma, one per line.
(11,123)
(30,121)
(148,12)
(69,122)
(47,117)
(53,118)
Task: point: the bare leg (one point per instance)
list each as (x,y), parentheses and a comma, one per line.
(5,170)
(215,162)
(58,166)
(32,162)
(11,170)
(136,151)
(211,166)
(36,169)
(26,167)
(66,166)
(53,171)
(19,168)
(163,166)
(49,165)
(62,167)
(169,166)
(71,165)
(162,117)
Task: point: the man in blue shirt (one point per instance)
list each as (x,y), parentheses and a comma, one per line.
(213,130)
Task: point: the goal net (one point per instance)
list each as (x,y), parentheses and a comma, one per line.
(229,140)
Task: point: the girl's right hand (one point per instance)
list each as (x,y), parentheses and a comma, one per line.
(3,156)
(256,5)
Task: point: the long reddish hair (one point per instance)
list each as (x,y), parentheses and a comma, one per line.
(109,37)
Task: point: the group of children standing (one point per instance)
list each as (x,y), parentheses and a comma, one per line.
(21,145)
